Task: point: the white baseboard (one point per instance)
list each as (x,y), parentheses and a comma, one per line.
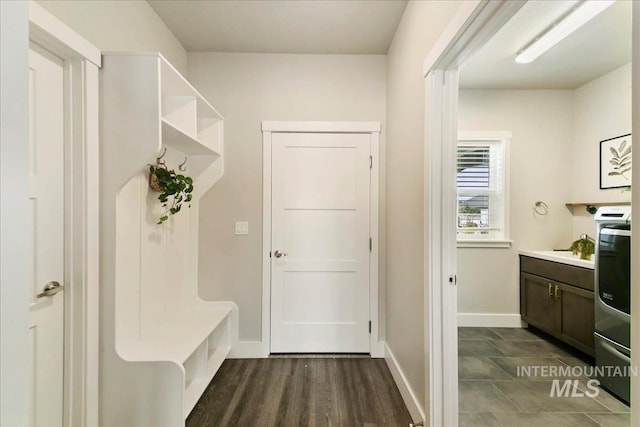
(413,405)
(378,350)
(248,350)
(488,320)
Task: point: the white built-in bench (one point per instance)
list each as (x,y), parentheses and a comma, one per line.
(199,341)
(161,344)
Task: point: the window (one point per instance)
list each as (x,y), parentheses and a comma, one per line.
(482,183)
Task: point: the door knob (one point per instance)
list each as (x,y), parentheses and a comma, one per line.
(50,289)
(279,254)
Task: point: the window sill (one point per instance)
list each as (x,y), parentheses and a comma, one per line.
(484,243)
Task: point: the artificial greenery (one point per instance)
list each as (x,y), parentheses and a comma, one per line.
(584,247)
(175,189)
(621,160)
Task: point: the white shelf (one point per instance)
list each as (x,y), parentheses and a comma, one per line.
(590,205)
(174,84)
(195,388)
(192,394)
(175,138)
(216,358)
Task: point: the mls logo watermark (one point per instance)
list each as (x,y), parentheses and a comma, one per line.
(570,388)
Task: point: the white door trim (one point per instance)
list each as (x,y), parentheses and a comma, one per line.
(475,23)
(81,62)
(50,33)
(372,128)
(342,127)
(635,269)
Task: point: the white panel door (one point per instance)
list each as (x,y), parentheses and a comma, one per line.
(320,243)
(46,194)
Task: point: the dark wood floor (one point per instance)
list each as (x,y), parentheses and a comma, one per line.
(296,392)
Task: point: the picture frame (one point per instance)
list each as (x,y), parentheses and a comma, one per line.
(615,162)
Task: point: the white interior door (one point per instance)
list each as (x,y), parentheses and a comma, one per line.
(46,194)
(320,243)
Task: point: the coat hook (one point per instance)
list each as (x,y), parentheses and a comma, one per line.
(182,167)
(159,159)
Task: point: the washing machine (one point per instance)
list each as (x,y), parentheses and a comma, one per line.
(613,299)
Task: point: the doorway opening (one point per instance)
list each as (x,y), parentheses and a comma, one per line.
(447,106)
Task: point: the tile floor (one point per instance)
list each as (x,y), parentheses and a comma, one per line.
(492,394)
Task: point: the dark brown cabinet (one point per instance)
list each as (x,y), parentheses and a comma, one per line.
(558,299)
(537,306)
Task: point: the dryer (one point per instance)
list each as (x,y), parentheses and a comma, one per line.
(613,299)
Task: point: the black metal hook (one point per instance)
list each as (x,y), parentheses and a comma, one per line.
(182,166)
(159,159)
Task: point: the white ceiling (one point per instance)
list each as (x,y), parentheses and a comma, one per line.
(281,26)
(368,26)
(601,45)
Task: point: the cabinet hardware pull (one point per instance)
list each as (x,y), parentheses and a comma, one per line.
(557,293)
(550,290)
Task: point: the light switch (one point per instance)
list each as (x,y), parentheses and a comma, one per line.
(242,228)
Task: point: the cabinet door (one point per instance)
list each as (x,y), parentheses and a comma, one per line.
(575,314)
(537,302)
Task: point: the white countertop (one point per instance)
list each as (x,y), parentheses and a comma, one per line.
(564,257)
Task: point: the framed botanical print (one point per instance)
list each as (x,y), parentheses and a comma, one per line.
(615,162)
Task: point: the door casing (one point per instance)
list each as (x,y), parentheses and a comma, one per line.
(81,163)
(371,128)
(471,28)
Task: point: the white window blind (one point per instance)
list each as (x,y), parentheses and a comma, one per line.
(481,189)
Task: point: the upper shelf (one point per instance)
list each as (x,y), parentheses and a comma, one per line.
(174,137)
(591,207)
(174,84)
(152,107)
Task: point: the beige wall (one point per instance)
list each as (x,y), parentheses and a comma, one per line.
(541,122)
(15,211)
(421,26)
(247,89)
(120,25)
(555,158)
(602,111)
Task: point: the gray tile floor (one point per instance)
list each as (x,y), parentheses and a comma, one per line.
(491,393)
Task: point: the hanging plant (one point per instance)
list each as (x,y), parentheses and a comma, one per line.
(175,189)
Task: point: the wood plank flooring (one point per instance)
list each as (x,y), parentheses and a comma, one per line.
(296,392)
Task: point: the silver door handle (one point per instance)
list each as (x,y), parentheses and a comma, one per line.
(279,254)
(50,289)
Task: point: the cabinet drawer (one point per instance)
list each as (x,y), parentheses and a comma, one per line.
(575,276)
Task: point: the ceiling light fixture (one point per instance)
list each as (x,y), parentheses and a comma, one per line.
(568,23)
